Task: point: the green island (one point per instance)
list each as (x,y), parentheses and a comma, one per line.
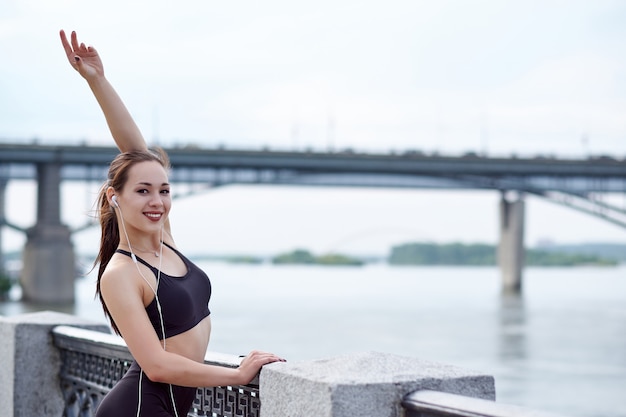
(304,257)
(485,255)
(242,259)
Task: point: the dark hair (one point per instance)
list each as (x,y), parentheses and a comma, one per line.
(110,236)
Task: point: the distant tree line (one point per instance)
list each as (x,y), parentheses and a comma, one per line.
(444,254)
(545,258)
(604,250)
(482,254)
(302,256)
(435,254)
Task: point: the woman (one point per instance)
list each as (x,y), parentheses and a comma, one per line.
(155,298)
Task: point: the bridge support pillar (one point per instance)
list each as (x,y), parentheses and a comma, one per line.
(3,187)
(48,272)
(511,245)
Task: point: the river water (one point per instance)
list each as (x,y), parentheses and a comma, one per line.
(560,347)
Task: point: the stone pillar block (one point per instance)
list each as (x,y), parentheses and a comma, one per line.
(49,270)
(364,384)
(511,246)
(30,363)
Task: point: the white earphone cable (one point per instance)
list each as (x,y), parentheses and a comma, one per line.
(158,304)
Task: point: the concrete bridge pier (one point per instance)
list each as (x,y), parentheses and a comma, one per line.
(511,245)
(48,272)
(3,187)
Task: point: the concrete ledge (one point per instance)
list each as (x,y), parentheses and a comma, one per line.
(370,383)
(29,381)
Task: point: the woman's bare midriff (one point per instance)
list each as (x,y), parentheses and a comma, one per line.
(193,343)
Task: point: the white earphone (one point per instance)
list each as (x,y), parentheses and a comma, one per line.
(114,200)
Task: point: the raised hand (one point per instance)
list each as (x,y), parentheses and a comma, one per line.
(82,58)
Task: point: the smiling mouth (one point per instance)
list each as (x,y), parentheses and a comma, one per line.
(153,216)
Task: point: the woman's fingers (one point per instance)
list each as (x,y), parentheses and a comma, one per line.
(74,39)
(256,359)
(262,358)
(67,47)
(252,364)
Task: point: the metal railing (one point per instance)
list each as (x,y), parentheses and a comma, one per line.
(425,403)
(92,362)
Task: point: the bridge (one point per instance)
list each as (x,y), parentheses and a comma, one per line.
(48,273)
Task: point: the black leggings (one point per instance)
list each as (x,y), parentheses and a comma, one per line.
(121,401)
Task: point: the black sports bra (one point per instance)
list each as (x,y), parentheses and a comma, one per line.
(184,300)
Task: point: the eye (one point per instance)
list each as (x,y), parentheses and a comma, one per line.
(142,191)
(165,191)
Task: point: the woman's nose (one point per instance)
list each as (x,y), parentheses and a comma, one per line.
(156,200)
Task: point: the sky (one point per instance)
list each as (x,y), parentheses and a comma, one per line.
(489,76)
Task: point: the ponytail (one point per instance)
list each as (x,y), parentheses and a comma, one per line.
(109,240)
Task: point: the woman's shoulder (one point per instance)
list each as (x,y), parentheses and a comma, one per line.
(118,270)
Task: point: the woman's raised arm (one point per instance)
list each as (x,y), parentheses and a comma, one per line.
(86,61)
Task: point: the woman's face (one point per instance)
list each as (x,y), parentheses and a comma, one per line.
(145,200)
